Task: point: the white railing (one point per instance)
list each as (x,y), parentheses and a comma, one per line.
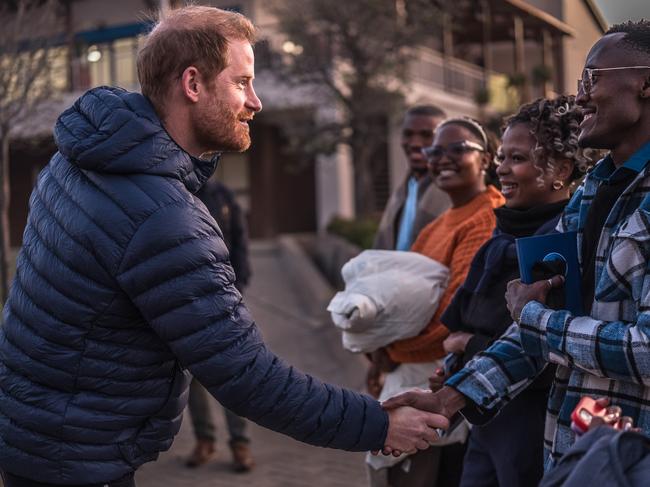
(451,74)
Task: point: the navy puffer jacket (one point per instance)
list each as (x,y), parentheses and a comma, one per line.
(123,281)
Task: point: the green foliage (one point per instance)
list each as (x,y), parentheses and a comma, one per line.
(517,80)
(360,232)
(482,96)
(541,74)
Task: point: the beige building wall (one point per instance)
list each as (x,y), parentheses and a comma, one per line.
(576,13)
(93,14)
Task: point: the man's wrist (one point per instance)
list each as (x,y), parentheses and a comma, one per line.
(451,401)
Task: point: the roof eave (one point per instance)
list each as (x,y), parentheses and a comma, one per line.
(545,17)
(597,15)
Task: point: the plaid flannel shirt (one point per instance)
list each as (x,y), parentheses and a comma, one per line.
(606,354)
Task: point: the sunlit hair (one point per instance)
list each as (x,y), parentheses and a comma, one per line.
(190,36)
(555,125)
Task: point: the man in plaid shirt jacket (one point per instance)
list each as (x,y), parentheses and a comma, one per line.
(605,354)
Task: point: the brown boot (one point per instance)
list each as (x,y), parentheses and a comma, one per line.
(203,451)
(242,459)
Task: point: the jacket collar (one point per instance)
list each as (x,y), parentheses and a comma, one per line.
(110,130)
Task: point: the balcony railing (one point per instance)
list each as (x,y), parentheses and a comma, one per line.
(452,75)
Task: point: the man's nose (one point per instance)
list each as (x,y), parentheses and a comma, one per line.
(415,143)
(253,102)
(445,158)
(581,97)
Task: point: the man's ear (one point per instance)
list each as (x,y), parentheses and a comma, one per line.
(645,89)
(191,83)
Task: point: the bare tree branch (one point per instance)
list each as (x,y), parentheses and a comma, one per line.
(358,51)
(29,33)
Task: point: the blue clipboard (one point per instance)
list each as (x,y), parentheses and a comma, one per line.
(553,246)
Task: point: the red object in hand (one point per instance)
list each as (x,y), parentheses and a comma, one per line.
(587,409)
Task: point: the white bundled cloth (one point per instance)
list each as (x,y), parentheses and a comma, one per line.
(389,295)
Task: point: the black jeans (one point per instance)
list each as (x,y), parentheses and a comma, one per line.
(509,450)
(11,480)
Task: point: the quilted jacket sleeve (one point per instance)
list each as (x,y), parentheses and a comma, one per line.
(177,273)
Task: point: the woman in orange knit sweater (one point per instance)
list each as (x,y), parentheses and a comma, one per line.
(459,160)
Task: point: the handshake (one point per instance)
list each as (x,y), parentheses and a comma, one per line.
(415,417)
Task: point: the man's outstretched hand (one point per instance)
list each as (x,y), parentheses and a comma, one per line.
(421,408)
(410,429)
(445,402)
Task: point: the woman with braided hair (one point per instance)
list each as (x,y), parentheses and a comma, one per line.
(537,164)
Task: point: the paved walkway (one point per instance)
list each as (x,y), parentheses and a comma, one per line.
(297,329)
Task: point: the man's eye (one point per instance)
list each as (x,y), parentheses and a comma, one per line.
(457,150)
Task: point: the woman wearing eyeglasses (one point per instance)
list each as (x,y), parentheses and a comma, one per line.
(459,160)
(537,163)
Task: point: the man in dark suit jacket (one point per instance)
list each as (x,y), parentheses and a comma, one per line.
(222,205)
(416,201)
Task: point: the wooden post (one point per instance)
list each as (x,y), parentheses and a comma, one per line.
(400,9)
(520,54)
(487,39)
(447,48)
(112,63)
(547,59)
(69,41)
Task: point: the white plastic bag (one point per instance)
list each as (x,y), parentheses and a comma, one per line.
(389,295)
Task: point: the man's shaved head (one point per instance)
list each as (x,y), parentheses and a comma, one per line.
(636,36)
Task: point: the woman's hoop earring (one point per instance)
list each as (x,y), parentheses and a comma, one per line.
(558,185)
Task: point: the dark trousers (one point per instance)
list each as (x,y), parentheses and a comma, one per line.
(433,467)
(11,480)
(509,451)
(202,423)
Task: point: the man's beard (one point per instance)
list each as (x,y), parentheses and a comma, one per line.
(218,128)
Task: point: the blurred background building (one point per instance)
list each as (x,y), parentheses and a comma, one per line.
(482,60)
